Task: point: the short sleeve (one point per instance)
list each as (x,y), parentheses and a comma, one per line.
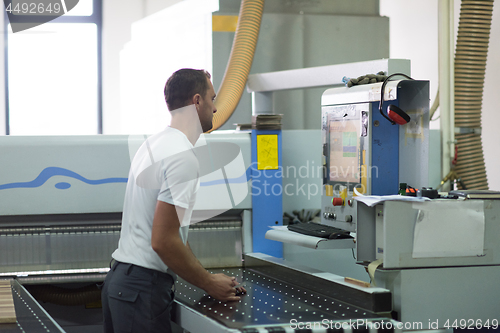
(180,179)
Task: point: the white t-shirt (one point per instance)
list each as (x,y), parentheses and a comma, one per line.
(166,169)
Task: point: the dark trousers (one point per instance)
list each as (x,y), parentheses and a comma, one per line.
(137,299)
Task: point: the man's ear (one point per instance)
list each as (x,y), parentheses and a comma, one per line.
(196,99)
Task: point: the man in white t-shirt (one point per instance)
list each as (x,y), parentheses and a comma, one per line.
(137,294)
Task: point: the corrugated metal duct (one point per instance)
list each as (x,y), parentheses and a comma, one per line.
(470,66)
(240,60)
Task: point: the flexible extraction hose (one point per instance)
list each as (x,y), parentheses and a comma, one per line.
(470,67)
(65,296)
(240,61)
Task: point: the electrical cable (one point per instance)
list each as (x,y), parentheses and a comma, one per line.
(382,90)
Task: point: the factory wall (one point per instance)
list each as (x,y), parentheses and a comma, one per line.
(116,32)
(117,24)
(290,37)
(413,35)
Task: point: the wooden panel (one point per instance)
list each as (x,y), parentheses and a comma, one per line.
(7,310)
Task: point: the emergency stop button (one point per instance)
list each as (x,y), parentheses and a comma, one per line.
(337,202)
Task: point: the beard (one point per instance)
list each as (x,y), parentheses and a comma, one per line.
(207,126)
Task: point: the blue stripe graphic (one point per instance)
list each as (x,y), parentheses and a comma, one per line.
(238,180)
(49,172)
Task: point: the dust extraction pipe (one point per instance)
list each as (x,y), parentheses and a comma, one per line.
(240,60)
(470,66)
(65,296)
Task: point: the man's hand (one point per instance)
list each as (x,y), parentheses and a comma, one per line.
(223,288)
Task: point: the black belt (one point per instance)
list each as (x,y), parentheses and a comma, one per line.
(155,274)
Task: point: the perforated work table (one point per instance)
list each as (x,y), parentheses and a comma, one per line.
(274,303)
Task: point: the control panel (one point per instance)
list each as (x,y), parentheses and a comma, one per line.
(364,153)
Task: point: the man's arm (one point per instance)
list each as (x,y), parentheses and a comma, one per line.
(166,241)
(190,250)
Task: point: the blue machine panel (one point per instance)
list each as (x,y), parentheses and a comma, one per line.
(267,192)
(385,153)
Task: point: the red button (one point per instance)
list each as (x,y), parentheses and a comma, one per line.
(337,202)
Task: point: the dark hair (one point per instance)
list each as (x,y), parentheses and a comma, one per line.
(183,85)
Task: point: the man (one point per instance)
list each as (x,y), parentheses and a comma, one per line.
(137,294)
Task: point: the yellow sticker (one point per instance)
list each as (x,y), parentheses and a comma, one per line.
(329,190)
(224,23)
(267,152)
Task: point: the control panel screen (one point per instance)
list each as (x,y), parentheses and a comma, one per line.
(344,140)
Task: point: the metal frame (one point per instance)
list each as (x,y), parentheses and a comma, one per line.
(31,316)
(191,320)
(6,72)
(262,85)
(427,290)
